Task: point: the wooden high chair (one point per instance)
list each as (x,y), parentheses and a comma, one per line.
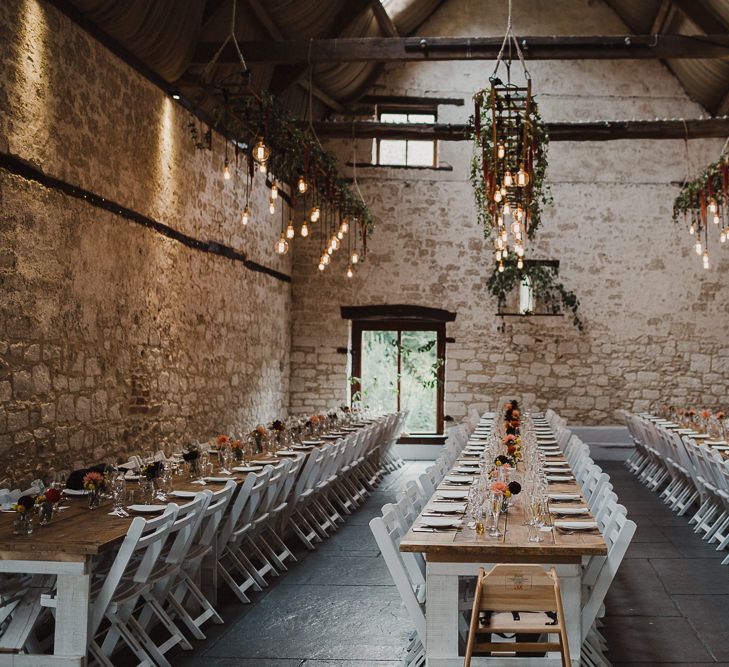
(528,590)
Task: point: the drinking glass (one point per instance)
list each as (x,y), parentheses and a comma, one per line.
(495,501)
(118,493)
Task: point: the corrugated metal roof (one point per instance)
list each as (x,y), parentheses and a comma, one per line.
(165,33)
(706,81)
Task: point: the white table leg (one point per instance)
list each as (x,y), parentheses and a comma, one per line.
(570,584)
(72,615)
(441,618)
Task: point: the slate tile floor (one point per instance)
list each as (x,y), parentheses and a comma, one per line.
(337,607)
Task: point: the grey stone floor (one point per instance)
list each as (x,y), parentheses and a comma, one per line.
(337,607)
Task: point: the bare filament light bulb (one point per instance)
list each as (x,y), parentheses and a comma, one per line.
(245,216)
(290,232)
(281,246)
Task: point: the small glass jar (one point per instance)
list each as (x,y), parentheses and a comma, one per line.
(23,524)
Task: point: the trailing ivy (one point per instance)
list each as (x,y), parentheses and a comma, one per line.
(544,283)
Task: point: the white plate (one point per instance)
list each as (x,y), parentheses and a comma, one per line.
(439,521)
(286,452)
(311,442)
(146,509)
(553,465)
(576,525)
(184,494)
(560,478)
(248,469)
(549,448)
(76,492)
(451,494)
(459,479)
(267,461)
(449,508)
(564,496)
(131,478)
(470,464)
(569,510)
(556,452)
(221,480)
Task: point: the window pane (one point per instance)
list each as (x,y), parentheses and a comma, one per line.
(394,117)
(419,380)
(421,118)
(392,151)
(379,370)
(421,153)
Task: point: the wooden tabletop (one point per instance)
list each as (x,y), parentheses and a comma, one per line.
(465,545)
(77,533)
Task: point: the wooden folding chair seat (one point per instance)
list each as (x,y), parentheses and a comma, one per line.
(521,599)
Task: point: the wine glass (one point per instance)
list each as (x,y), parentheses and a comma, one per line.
(118,493)
(495,500)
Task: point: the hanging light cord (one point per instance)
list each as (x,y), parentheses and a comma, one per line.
(354,163)
(229,38)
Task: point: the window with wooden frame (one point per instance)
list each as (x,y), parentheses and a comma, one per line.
(398,362)
(406,152)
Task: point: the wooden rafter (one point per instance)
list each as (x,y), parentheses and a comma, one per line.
(273,30)
(392,49)
(588,131)
(383,19)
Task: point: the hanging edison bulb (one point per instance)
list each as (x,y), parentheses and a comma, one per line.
(520,263)
(519,213)
(502,190)
(508,180)
(705,259)
(501,151)
(697,247)
(499,243)
(500,222)
(350,273)
(326,258)
(261,152)
(344,227)
(281,247)
(302,185)
(322,266)
(226,170)
(245,216)
(520,250)
(330,250)
(290,231)
(692,229)
(522,178)
(722,236)
(334,243)
(497,196)
(355,257)
(304,229)
(504,253)
(271,206)
(507,208)
(504,235)
(717,219)
(713,206)
(501,267)
(274,190)
(315,213)
(498,255)
(340,234)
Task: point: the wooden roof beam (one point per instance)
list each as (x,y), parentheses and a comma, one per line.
(383,19)
(611,130)
(393,49)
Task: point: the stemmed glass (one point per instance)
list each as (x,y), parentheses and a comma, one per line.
(495,501)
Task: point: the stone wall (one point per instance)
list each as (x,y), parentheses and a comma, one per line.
(113,337)
(654,319)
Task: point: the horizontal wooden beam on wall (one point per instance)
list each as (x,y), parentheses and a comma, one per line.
(606,130)
(392,49)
